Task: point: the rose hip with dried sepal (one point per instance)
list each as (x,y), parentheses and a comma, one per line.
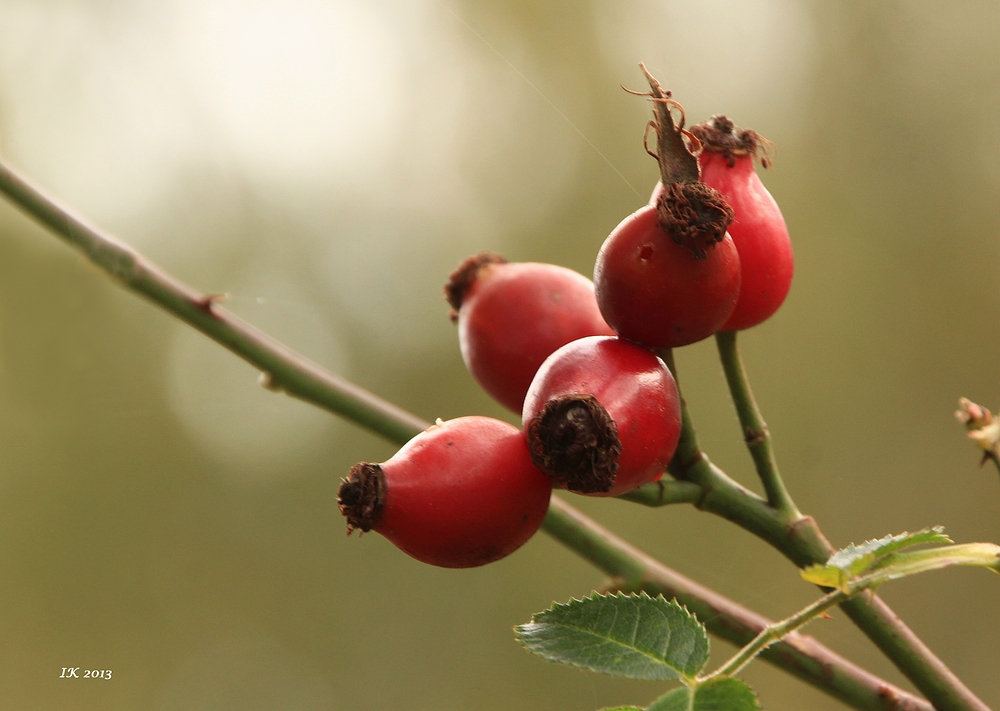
(758,228)
(460,494)
(512,315)
(669,274)
(602,416)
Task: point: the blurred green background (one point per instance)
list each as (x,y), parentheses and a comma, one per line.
(327,163)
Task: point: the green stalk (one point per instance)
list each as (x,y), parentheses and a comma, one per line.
(804,544)
(776,631)
(799,539)
(287,371)
(797,654)
(755,432)
(664,492)
(892,567)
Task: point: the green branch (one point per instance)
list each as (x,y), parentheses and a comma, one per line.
(803,656)
(774,632)
(802,542)
(287,371)
(880,570)
(664,492)
(282,368)
(755,432)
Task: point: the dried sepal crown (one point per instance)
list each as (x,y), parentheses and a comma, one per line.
(721,135)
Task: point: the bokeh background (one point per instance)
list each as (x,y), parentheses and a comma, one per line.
(327,163)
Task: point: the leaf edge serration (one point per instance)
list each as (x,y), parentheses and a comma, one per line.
(684,673)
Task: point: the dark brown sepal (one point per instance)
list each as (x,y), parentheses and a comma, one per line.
(575,441)
(361,497)
(677,163)
(721,135)
(461,280)
(694,215)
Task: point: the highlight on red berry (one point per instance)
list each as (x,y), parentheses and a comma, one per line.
(758,228)
(512,315)
(460,494)
(602,416)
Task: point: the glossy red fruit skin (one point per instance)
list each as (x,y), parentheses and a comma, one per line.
(514,315)
(652,291)
(634,386)
(760,234)
(463,493)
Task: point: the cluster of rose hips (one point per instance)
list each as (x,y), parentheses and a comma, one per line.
(600,410)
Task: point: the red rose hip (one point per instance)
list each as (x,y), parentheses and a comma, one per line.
(511,316)
(653,291)
(669,274)
(758,228)
(602,416)
(461,494)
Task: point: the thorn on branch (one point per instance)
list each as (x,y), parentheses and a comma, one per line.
(268,382)
(206,302)
(754,437)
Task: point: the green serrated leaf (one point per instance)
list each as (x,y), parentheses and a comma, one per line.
(722,694)
(725,694)
(622,708)
(853,560)
(856,559)
(676,700)
(634,636)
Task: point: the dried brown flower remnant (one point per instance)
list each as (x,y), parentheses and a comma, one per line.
(984,429)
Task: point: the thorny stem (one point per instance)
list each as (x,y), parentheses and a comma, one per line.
(281,368)
(802,542)
(755,432)
(910,563)
(287,371)
(633,570)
